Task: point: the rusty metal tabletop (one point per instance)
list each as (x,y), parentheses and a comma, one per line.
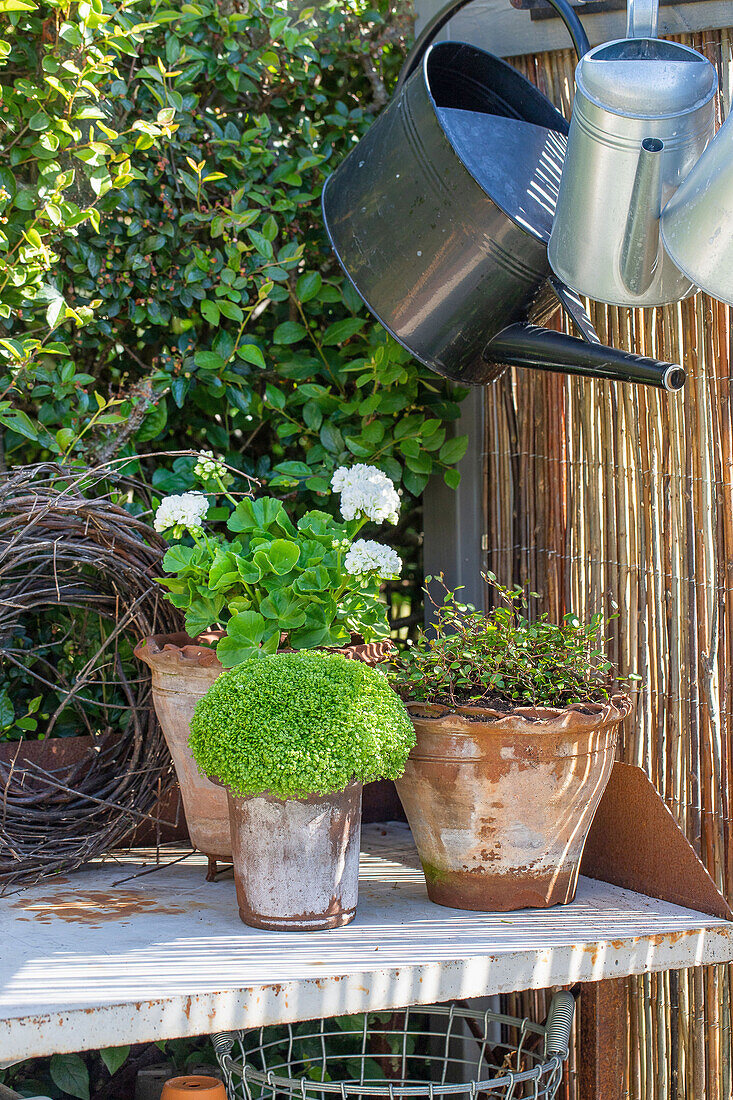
(85,963)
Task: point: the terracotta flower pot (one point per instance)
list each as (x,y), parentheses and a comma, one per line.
(183,670)
(500,805)
(205,1088)
(296,861)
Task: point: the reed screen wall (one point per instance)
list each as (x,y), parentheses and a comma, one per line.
(615,497)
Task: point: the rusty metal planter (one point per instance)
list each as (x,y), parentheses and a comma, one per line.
(296,861)
(500,805)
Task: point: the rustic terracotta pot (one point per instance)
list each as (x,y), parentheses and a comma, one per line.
(500,805)
(206,1088)
(183,671)
(296,861)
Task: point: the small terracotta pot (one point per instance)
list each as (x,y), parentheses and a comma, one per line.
(183,671)
(206,1088)
(500,805)
(296,861)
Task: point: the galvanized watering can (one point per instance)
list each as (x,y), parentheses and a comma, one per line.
(642,116)
(442,213)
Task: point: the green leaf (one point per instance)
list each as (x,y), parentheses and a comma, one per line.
(70,1074)
(308,286)
(289,332)
(210,312)
(331,438)
(178,558)
(251,354)
(16,5)
(285,608)
(230,310)
(452,478)
(340,331)
(7,710)
(209,360)
(283,556)
(262,514)
(453,450)
(114,1057)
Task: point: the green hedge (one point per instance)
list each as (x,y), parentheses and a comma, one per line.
(199,143)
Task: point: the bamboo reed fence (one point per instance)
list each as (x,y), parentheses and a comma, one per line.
(615,497)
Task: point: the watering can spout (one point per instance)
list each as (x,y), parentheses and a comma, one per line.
(525,345)
(640,248)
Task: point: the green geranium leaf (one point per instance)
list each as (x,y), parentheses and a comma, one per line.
(283,556)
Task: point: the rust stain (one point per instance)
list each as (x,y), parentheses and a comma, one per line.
(91,907)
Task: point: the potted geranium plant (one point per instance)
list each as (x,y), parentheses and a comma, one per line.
(292,737)
(516,723)
(251,581)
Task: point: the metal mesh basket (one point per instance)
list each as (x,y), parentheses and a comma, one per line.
(435,1051)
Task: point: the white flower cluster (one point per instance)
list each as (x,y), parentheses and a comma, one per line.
(367,556)
(209,467)
(366,490)
(183,512)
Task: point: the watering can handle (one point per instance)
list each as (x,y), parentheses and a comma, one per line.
(436,24)
(642,17)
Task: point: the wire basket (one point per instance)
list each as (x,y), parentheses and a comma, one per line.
(434,1051)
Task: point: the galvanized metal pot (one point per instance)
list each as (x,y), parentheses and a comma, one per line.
(183,671)
(500,805)
(296,861)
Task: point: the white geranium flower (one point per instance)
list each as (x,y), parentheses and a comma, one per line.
(209,467)
(367,556)
(367,491)
(182,512)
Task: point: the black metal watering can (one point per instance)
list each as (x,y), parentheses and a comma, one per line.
(441,215)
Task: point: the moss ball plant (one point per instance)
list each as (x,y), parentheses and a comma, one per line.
(295,724)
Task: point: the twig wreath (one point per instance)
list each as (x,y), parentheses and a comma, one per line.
(65,543)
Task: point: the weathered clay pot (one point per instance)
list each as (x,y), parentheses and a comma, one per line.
(183,671)
(296,861)
(500,805)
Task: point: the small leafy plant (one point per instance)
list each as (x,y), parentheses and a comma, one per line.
(278,583)
(502,658)
(303,723)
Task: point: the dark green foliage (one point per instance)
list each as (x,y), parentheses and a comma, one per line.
(300,723)
(504,658)
(223,319)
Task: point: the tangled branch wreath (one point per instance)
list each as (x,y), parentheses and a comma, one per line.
(65,542)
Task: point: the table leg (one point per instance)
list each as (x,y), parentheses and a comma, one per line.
(603,1022)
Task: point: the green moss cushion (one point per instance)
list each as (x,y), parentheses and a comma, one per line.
(301,723)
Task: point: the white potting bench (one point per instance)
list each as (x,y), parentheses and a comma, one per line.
(89,961)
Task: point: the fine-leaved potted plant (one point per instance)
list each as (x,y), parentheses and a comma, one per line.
(516,722)
(250,581)
(292,737)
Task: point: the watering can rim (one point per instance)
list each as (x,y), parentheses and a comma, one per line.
(435,46)
(592,63)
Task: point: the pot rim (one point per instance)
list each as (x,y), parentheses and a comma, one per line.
(182,647)
(526,719)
